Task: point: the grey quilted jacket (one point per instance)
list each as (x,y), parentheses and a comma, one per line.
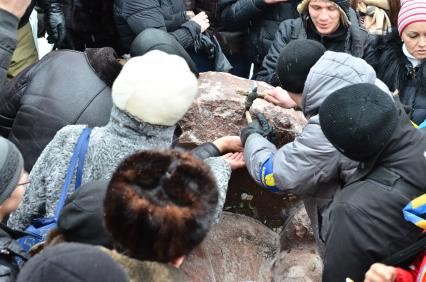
(310,166)
(108,146)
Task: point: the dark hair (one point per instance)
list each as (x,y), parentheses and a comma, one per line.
(394,7)
(160,204)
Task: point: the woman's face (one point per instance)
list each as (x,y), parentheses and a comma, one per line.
(325,15)
(414,37)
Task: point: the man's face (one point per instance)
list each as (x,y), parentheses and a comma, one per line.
(325,16)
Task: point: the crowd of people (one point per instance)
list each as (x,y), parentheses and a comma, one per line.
(93,186)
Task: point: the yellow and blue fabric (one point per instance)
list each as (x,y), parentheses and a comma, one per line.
(422,125)
(266,175)
(414,210)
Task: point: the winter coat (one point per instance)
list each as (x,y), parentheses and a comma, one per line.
(261,19)
(65,87)
(352,41)
(8,26)
(147,271)
(366,222)
(89,23)
(310,166)
(108,146)
(393,68)
(9,251)
(133,16)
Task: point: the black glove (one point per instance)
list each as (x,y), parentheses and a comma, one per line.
(261,126)
(55,23)
(204,44)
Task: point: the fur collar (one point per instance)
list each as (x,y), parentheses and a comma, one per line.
(104,63)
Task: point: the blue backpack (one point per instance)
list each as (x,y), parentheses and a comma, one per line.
(40,228)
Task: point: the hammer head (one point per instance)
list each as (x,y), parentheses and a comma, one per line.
(252,95)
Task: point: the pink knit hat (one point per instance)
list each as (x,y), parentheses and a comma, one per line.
(411,11)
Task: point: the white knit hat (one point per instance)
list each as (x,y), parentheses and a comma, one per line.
(156,88)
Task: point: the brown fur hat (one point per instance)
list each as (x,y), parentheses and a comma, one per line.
(160,204)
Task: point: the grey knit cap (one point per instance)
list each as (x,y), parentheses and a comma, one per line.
(11,165)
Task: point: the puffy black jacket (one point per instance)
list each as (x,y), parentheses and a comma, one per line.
(366,220)
(261,19)
(64,88)
(133,16)
(394,69)
(353,43)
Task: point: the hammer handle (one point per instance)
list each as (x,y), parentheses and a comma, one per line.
(248,117)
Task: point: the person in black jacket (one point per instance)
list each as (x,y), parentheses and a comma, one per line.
(132,17)
(366,222)
(333,23)
(79,24)
(262,17)
(65,87)
(400,59)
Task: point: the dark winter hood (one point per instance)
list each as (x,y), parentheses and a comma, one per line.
(405,154)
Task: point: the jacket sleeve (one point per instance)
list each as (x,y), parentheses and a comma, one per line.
(42,177)
(282,38)
(8,31)
(222,173)
(10,100)
(298,166)
(147,14)
(236,14)
(346,238)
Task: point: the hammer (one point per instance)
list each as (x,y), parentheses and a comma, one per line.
(251,95)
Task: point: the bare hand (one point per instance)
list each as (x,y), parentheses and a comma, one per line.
(201,19)
(379,272)
(274,1)
(229,144)
(15,7)
(235,160)
(279,97)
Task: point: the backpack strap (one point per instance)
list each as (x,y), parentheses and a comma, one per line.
(408,254)
(81,157)
(79,152)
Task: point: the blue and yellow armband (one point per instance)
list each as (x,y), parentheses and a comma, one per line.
(414,211)
(266,175)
